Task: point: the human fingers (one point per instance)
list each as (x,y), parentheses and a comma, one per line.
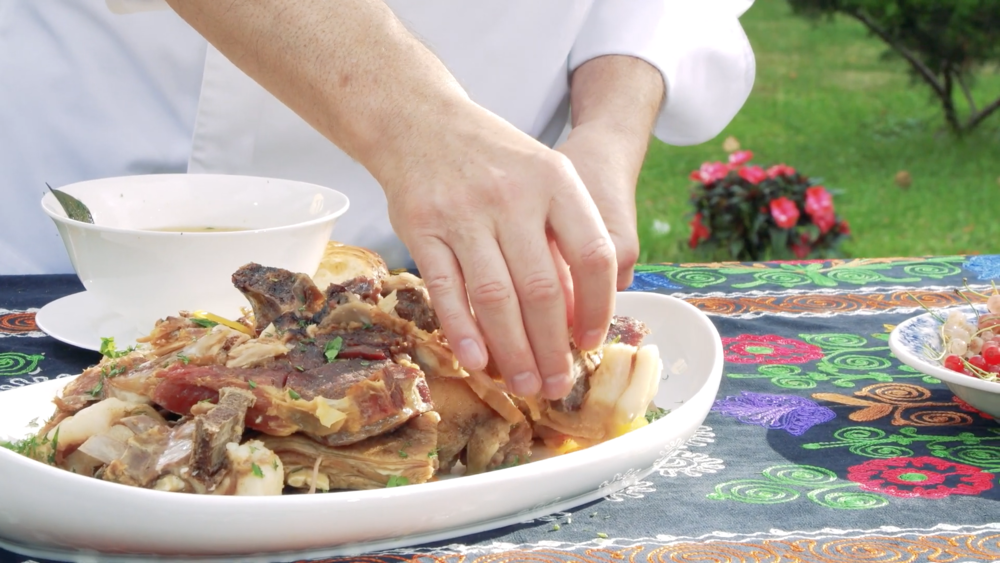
(494,301)
(587,247)
(541,297)
(565,278)
(443,277)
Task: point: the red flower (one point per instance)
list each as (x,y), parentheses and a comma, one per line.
(740,157)
(785,213)
(780,170)
(802,248)
(825,221)
(753,174)
(769,349)
(844,228)
(710,172)
(699,231)
(925,476)
(818,201)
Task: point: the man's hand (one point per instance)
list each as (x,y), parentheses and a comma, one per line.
(489,215)
(615,100)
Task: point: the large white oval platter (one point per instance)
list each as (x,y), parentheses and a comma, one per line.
(47,512)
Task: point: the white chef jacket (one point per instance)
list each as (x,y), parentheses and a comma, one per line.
(513,57)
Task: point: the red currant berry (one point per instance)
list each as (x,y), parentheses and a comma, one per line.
(954,363)
(991,353)
(978,362)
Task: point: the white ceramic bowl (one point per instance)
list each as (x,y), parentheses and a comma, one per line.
(917,341)
(50,513)
(144,274)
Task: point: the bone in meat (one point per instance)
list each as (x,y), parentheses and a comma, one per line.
(273,292)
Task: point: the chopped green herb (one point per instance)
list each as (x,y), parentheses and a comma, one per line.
(252,384)
(300,368)
(303,323)
(397,481)
(332,348)
(365,363)
(656,413)
(97,388)
(433,453)
(204,323)
(602,535)
(184,359)
(403,454)
(302,308)
(616,339)
(294,395)
(555,527)
(54,446)
(367,326)
(27,447)
(108,348)
(256,470)
(253,449)
(274,464)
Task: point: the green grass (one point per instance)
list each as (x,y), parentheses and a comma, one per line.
(826,102)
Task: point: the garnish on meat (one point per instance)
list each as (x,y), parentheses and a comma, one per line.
(339,381)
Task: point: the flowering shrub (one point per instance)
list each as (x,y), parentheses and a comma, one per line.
(746,212)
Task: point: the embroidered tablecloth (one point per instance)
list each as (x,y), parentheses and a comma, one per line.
(821,445)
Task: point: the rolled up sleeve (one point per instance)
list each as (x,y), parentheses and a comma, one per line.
(700,48)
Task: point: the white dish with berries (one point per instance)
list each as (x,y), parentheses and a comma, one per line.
(959,346)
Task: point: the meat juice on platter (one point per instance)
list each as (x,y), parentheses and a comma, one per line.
(338,381)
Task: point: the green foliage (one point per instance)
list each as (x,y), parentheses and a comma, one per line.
(826,102)
(945,42)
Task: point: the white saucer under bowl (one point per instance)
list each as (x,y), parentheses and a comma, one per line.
(79,320)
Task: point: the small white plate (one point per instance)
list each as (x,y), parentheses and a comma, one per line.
(916,341)
(80,321)
(51,513)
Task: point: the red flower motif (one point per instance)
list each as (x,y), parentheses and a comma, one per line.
(785,213)
(769,349)
(740,157)
(780,170)
(925,477)
(969,408)
(699,231)
(844,228)
(710,172)
(753,174)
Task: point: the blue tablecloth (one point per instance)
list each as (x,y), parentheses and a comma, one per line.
(820,447)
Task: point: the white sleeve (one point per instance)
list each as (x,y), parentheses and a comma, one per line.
(699,47)
(135,6)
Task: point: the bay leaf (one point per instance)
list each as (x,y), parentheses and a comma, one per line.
(74,208)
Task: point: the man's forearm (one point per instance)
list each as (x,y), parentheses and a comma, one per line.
(349,68)
(621,95)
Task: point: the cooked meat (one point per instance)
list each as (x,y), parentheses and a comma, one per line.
(626,330)
(273,292)
(221,425)
(413,303)
(408,453)
(340,402)
(472,431)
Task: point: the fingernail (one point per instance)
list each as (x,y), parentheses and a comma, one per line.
(592,339)
(524,384)
(556,386)
(470,355)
